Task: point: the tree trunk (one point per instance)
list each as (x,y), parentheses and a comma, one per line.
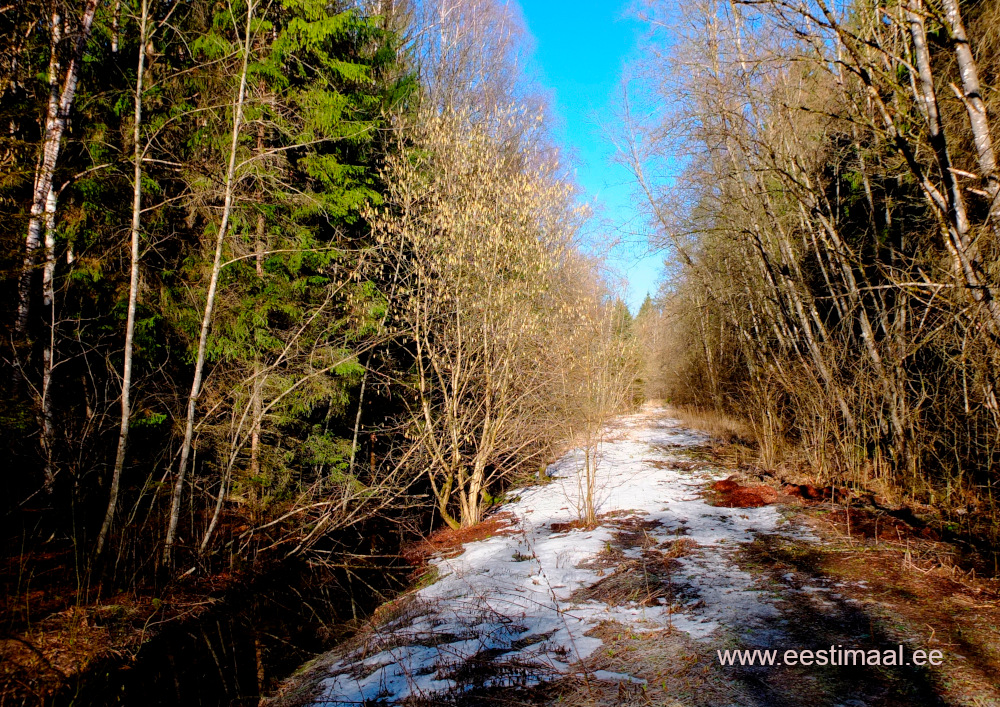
(357,419)
(48,353)
(927,98)
(206,322)
(972,97)
(963,250)
(60,103)
(256,422)
(133,289)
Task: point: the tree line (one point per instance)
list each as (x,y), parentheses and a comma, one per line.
(833,229)
(276,268)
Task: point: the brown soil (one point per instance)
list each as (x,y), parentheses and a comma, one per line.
(808,492)
(622,519)
(731,493)
(677,465)
(571,525)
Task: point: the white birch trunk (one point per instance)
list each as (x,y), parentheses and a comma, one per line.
(59,106)
(963,250)
(48,353)
(972,97)
(133,290)
(206,322)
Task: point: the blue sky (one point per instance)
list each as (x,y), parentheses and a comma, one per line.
(581,48)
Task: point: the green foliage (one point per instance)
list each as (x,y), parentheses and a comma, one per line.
(322,448)
(149,419)
(290,314)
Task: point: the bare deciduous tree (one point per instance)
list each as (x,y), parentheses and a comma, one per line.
(833,223)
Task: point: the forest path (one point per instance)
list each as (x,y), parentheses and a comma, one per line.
(633,611)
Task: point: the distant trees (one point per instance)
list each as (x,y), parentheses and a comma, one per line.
(836,235)
(598,376)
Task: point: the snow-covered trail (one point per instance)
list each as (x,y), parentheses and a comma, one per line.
(520,607)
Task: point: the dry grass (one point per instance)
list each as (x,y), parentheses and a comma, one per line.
(51,637)
(648,580)
(38,662)
(677,672)
(722,427)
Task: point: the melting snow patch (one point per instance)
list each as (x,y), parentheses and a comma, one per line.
(506,612)
(606,676)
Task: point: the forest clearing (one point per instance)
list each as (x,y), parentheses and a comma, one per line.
(483,351)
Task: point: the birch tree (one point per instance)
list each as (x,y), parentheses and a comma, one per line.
(62,91)
(206,321)
(133,287)
(835,239)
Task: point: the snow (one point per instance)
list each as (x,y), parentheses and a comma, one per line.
(507,599)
